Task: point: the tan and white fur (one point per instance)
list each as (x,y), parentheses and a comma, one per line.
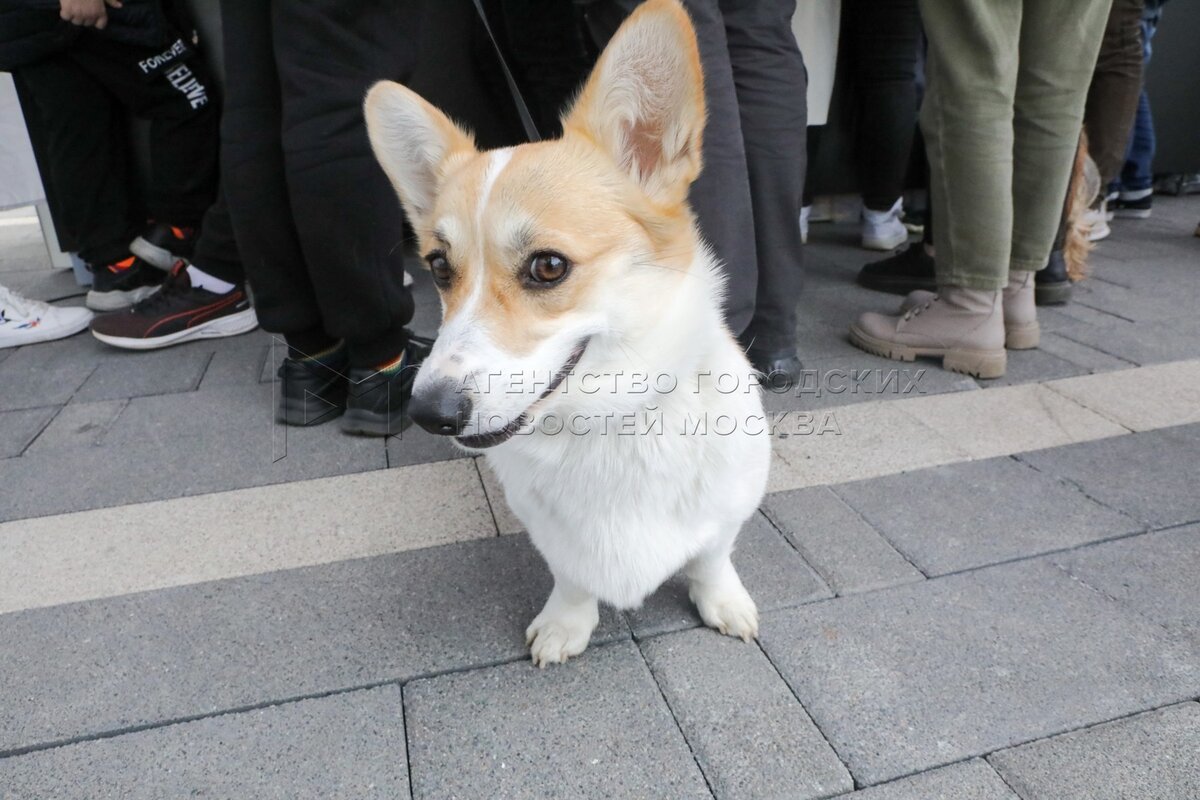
(630,492)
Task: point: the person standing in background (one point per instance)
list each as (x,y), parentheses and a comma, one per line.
(318,224)
(1001,119)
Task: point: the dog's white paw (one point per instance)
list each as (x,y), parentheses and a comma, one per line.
(562,629)
(554,640)
(730,610)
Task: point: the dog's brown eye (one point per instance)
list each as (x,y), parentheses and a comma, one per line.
(548,268)
(440,268)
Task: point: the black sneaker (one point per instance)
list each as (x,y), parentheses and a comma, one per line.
(122,284)
(1128,207)
(1051,285)
(178,312)
(162,245)
(313,390)
(377,404)
(904,272)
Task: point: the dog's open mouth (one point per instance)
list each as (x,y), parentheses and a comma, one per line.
(481,441)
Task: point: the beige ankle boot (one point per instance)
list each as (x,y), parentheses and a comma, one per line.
(1021,329)
(965,327)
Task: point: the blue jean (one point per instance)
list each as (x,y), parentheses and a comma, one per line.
(1138,172)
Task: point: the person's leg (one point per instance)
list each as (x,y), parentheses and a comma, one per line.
(885,40)
(1052,87)
(83,138)
(720,197)
(255,185)
(329,52)
(769,75)
(1116,84)
(182,109)
(1136,184)
(967,123)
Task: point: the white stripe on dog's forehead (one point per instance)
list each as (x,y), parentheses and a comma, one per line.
(497,161)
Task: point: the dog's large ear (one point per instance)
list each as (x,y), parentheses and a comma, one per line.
(644,101)
(412,141)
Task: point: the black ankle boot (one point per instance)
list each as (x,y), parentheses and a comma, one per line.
(904,272)
(1052,287)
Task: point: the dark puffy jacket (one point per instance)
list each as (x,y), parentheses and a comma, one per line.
(32,29)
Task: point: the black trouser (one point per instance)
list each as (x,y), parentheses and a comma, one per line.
(884,37)
(318,225)
(748,196)
(81,98)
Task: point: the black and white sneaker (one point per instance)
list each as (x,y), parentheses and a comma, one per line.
(122,284)
(162,245)
(1133,205)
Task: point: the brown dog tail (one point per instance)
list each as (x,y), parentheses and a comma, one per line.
(1085,185)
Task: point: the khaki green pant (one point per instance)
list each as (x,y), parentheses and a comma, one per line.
(1007,84)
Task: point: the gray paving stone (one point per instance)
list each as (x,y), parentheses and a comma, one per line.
(969,780)
(750,735)
(84,668)
(596,727)
(78,425)
(970,514)
(234,367)
(919,676)
(347,745)
(48,374)
(1140,342)
(1152,476)
(1085,356)
(1157,575)
(417,446)
(858,376)
(1152,756)
(19,428)
(183,444)
(137,374)
(1028,366)
(771,570)
(844,550)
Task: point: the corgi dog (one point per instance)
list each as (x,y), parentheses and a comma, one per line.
(582,345)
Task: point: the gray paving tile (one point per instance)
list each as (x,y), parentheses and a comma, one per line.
(1141,342)
(844,550)
(84,668)
(1152,756)
(1151,476)
(78,425)
(596,727)
(1028,366)
(136,374)
(1086,357)
(48,374)
(750,735)
(958,516)
(919,676)
(234,367)
(417,446)
(347,745)
(774,574)
(19,428)
(969,780)
(1157,575)
(183,444)
(858,377)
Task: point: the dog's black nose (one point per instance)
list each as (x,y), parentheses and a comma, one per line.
(442,408)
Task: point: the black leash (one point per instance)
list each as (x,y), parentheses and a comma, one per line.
(522,110)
